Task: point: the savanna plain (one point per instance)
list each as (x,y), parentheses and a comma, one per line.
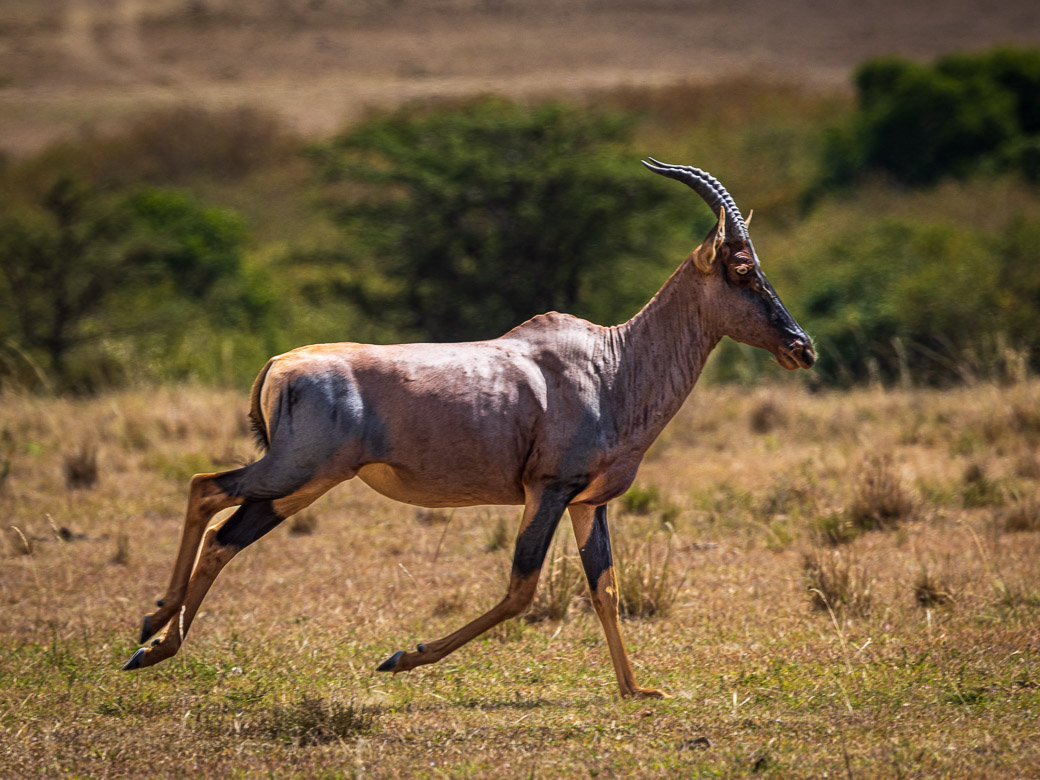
(831,584)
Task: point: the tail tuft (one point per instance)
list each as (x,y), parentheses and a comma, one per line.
(256,416)
(259,432)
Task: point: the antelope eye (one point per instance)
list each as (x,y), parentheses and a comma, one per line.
(743,269)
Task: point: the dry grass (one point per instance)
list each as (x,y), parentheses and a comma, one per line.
(562,582)
(837,582)
(648,584)
(931,589)
(277,675)
(881,498)
(81,469)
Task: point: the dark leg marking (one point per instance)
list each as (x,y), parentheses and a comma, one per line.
(596,556)
(247,524)
(532,544)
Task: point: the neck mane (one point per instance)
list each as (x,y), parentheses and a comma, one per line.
(658,355)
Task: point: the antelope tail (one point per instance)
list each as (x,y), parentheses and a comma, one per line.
(256,415)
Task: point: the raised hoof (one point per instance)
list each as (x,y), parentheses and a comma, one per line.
(388,665)
(135,661)
(146,631)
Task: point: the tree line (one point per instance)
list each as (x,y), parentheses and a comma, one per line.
(151,254)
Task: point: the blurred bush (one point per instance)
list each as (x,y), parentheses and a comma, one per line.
(466,221)
(918,123)
(94,284)
(897,298)
(459,221)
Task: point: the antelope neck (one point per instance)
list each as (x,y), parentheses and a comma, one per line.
(658,355)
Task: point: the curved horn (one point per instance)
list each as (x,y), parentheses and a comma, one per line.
(709,188)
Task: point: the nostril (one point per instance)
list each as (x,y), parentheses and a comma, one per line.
(808,354)
(802,351)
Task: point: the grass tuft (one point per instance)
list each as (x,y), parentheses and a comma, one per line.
(641,500)
(647,500)
(561,582)
(647,584)
(1023,514)
(81,469)
(881,499)
(833,529)
(499,536)
(121,554)
(317,720)
(838,582)
(767,416)
(978,490)
(303,523)
(931,590)
(1027,465)
(432,516)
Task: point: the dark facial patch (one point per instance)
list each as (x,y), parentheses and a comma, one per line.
(743,272)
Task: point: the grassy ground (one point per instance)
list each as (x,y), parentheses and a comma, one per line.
(921,659)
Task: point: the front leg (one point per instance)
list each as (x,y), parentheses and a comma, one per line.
(542,512)
(593,538)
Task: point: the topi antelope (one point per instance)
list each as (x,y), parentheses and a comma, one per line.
(554,415)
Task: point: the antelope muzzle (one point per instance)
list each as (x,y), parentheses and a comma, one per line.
(797,352)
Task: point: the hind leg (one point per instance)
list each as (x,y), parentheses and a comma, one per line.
(220,544)
(205,499)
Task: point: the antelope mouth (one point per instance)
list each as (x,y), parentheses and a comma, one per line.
(796,354)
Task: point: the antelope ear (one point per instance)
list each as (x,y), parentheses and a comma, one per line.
(705,261)
(720,234)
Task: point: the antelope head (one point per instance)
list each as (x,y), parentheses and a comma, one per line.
(749,309)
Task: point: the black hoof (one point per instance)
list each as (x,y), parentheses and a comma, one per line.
(146,631)
(387,666)
(135,661)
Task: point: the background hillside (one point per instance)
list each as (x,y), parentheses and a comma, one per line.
(70,65)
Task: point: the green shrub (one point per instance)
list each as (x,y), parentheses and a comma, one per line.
(919,122)
(466,221)
(641,500)
(95,282)
(939,301)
